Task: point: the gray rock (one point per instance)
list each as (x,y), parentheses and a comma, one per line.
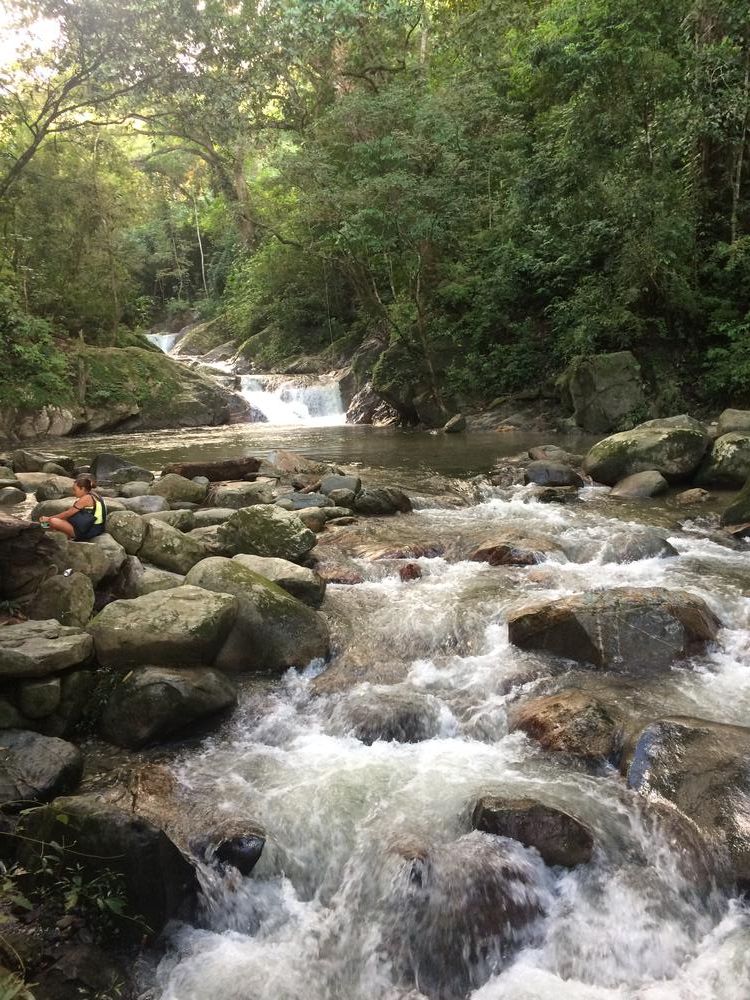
(67,599)
(304,584)
(105,464)
(211,516)
(185,626)
(272,630)
(628,547)
(151,703)
(8,479)
(728,463)
(36,649)
(131,474)
(603,390)
(300,501)
(9,496)
(35,461)
(329,484)
(313,518)
(175,488)
(738,511)
(513,547)
(455,425)
(560,838)
(183,520)
(50,486)
(266,530)
(342,498)
(99,559)
(640,485)
(210,540)
(547,473)
(170,549)
(733,421)
(38,699)
(36,768)
(137,489)
(675,452)
(239,495)
(382,502)
(136,580)
(127,528)
(145,504)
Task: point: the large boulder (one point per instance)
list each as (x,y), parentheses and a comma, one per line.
(136,579)
(738,511)
(513,547)
(272,630)
(382,502)
(728,463)
(560,838)
(39,648)
(145,504)
(170,549)
(329,484)
(99,837)
(176,488)
(733,420)
(95,560)
(131,474)
(373,712)
(36,768)
(266,530)
(641,485)
(67,599)
(105,464)
(57,486)
(548,473)
(703,768)
(127,528)
(182,519)
(185,626)
(675,451)
(28,555)
(238,495)
(603,390)
(209,517)
(624,629)
(571,722)
(304,584)
(35,461)
(151,703)
(631,546)
(10,496)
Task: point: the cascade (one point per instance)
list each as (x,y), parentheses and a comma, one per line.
(290,402)
(164,341)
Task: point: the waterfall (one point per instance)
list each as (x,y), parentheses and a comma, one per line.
(294,403)
(164,341)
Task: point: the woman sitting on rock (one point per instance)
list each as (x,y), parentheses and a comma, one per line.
(85,519)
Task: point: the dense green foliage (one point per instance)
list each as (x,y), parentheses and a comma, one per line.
(492,189)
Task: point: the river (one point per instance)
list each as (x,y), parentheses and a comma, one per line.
(325,914)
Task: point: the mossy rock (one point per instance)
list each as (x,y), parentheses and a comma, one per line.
(675,452)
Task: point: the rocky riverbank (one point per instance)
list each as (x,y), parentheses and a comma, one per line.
(214,573)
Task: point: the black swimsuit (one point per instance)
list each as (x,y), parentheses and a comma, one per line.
(84,524)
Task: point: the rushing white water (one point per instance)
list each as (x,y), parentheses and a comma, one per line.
(343,906)
(291,402)
(164,341)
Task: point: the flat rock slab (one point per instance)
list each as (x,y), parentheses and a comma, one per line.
(304,584)
(215,472)
(559,838)
(35,768)
(624,629)
(36,649)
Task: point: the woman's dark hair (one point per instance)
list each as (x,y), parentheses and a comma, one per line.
(86,482)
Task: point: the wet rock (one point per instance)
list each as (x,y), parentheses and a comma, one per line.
(160,884)
(603,390)
(703,768)
(304,584)
(738,511)
(185,626)
(170,549)
(410,572)
(287,462)
(571,722)
(211,516)
(336,572)
(300,501)
(342,498)
(152,703)
(174,488)
(375,503)
(35,768)
(547,473)
(131,474)
(182,519)
(39,648)
(627,547)
(408,550)
(332,484)
(136,489)
(391,714)
(238,495)
(691,498)
(82,970)
(641,485)
(624,629)
(557,494)
(215,472)
(455,425)
(343,520)
(272,630)
(9,496)
(454,914)
(127,528)
(728,463)
(673,451)
(514,548)
(67,599)
(560,838)
(266,530)
(232,844)
(145,504)
(105,464)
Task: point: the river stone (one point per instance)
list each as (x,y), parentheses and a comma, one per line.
(127,528)
(34,461)
(703,768)
(54,469)
(104,465)
(627,547)
(603,390)
(728,463)
(38,699)
(571,722)
(691,498)
(546,473)
(168,548)
(455,913)
(304,584)
(10,496)
(227,848)
(512,547)
(382,502)
(313,518)
(378,712)
(266,530)
(560,839)
(455,425)
(738,511)
(145,504)
(36,768)
(239,495)
(623,629)
(174,488)
(183,520)
(8,480)
(675,452)
(215,472)
(209,517)
(67,599)
(342,499)
(300,501)
(330,484)
(733,421)
(36,649)
(185,626)
(210,539)
(136,580)
(94,561)
(160,884)
(151,703)
(32,481)
(641,485)
(139,488)
(131,474)
(273,630)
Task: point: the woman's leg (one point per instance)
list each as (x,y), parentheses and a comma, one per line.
(59,524)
